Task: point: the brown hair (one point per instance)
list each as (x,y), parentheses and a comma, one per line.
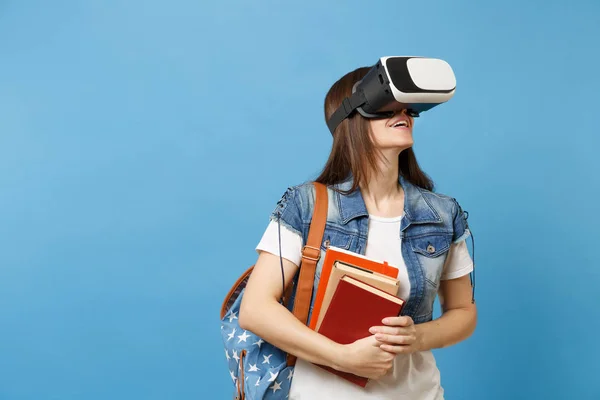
(353,151)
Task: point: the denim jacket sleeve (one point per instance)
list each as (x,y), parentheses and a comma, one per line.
(461,227)
(288,211)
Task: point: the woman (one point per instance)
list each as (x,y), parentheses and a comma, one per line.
(381,205)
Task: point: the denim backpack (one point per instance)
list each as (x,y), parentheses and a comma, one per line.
(258,369)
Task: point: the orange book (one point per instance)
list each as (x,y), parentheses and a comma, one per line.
(354,308)
(334,254)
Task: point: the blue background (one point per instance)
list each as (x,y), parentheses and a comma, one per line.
(143,145)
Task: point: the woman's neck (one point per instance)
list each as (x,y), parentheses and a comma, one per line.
(383,194)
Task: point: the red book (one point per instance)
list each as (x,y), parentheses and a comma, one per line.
(333,255)
(354,308)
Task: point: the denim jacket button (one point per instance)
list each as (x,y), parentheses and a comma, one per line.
(430,249)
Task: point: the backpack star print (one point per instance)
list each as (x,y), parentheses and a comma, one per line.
(259,370)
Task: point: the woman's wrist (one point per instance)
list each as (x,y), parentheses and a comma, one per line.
(421,343)
(338,356)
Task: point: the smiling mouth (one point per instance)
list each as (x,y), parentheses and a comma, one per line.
(400,124)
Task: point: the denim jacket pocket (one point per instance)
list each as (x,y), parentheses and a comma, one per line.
(431,253)
(431,246)
(333,237)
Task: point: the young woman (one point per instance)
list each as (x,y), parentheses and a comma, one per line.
(383,206)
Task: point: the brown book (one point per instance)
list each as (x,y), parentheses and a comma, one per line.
(387,284)
(354,308)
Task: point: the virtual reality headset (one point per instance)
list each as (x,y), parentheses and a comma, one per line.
(416,84)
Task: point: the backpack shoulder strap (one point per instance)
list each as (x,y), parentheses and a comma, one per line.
(311,253)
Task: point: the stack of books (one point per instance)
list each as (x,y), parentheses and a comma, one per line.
(354,294)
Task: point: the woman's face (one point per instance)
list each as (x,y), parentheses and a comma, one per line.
(393,133)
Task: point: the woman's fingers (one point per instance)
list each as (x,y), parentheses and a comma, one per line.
(396,339)
(395,326)
(391,330)
(397,349)
(398,321)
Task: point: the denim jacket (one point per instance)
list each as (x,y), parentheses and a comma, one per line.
(431,222)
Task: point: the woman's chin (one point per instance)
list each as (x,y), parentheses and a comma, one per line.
(404,143)
(396,142)
(397,147)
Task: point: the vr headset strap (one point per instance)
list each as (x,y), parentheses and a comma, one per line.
(349,105)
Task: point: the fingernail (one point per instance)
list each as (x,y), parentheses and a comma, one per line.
(372,330)
(385,320)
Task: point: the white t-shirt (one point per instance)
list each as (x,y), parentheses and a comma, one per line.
(414,376)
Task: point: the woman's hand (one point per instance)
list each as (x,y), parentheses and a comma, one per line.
(365,358)
(399,335)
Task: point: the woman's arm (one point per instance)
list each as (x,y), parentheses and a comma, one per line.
(457,323)
(458,320)
(261,313)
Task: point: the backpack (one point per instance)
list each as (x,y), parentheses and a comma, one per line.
(258,369)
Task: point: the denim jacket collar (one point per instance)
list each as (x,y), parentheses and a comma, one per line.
(417,209)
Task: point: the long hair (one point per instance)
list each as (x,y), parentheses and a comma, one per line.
(353,151)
